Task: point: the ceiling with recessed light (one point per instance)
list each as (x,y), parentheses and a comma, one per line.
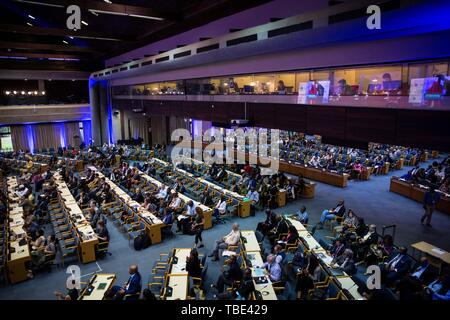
(34,34)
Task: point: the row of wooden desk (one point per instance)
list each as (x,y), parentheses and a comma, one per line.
(417,192)
(18,251)
(436,256)
(87,238)
(76,164)
(244,203)
(25,165)
(207,212)
(344,281)
(153,224)
(281,196)
(253,259)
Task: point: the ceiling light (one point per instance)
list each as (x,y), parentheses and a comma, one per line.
(107,1)
(64,41)
(42,3)
(71,37)
(126,14)
(30,92)
(15,92)
(31,17)
(29,24)
(22,92)
(35,93)
(43,92)
(7,93)
(94,13)
(84,22)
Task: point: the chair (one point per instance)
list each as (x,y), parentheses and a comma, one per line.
(136,231)
(199,282)
(102,249)
(68,250)
(132,296)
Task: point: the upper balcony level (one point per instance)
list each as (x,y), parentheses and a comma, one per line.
(418,85)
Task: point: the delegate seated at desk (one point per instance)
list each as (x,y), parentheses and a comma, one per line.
(131,287)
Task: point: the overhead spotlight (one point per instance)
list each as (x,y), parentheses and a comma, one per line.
(15,92)
(7,93)
(107,1)
(35,93)
(84,22)
(22,92)
(43,92)
(29,24)
(30,93)
(31,17)
(25,79)
(64,41)
(71,37)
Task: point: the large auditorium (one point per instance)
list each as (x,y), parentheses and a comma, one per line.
(236,153)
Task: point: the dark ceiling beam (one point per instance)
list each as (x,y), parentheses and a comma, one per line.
(40,55)
(42,46)
(24,29)
(111,8)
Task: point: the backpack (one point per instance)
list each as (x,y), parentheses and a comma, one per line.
(146,242)
(139,242)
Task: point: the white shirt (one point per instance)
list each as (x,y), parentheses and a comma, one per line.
(162,193)
(232,238)
(221,206)
(253,196)
(190,210)
(175,203)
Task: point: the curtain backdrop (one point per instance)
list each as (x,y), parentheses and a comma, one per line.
(72,133)
(178,123)
(139,128)
(19,138)
(159,129)
(43,136)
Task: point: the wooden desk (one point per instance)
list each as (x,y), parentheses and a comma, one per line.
(436,256)
(417,193)
(266,289)
(400,163)
(252,244)
(88,243)
(281,198)
(107,280)
(178,285)
(335,179)
(17,261)
(309,190)
(178,279)
(297,224)
(153,224)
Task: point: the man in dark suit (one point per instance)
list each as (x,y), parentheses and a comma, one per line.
(362,246)
(331,214)
(231,274)
(280,228)
(206,199)
(131,287)
(411,286)
(396,267)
